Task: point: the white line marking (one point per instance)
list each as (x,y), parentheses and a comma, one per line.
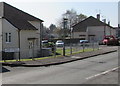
(102,73)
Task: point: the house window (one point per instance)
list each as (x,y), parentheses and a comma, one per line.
(8,37)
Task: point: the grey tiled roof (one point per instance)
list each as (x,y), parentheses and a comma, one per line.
(90,21)
(16,17)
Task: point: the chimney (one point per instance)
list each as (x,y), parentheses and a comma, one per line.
(104,20)
(118,25)
(98,16)
(109,23)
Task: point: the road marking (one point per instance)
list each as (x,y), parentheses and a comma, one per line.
(103,73)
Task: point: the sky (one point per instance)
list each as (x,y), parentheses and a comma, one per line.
(50,11)
(119,12)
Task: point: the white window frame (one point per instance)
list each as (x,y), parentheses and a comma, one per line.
(8,37)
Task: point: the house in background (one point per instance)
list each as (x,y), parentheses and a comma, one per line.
(92,29)
(117,31)
(19,33)
(0,39)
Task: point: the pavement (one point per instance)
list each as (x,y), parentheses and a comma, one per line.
(62,59)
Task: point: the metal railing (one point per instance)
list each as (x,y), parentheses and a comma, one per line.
(75,48)
(69,49)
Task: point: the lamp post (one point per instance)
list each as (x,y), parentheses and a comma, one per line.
(69,19)
(70,38)
(64,27)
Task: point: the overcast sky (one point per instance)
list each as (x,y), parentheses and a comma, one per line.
(51,10)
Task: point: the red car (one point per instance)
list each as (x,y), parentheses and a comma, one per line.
(110,40)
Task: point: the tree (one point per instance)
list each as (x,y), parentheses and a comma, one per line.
(73,18)
(71,15)
(45,33)
(81,17)
(52,27)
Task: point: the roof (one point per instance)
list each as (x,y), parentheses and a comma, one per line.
(17,17)
(90,21)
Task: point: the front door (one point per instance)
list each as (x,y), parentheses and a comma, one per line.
(31,48)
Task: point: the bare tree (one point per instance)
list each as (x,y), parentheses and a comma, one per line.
(81,17)
(72,18)
(71,15)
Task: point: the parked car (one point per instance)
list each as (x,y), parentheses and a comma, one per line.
(59,43)
(118,40)
(44,43)
(83,41)
(101,42)
(110,40)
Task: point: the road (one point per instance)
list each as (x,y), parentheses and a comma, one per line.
(77,72)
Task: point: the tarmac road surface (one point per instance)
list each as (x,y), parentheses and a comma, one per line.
(77,72)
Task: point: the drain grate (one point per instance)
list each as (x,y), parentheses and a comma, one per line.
(101,62)
(98,62)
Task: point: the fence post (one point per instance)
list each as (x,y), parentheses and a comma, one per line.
(71,48)
(55,51)
(83,47)
(93,46)
(4,60)
(98,45)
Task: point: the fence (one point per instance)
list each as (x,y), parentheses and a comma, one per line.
(75,48)
(70,49)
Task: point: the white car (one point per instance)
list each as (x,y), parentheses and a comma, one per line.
(83,41)
(59,43)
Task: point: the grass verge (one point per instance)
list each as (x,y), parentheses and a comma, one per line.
(60,51)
